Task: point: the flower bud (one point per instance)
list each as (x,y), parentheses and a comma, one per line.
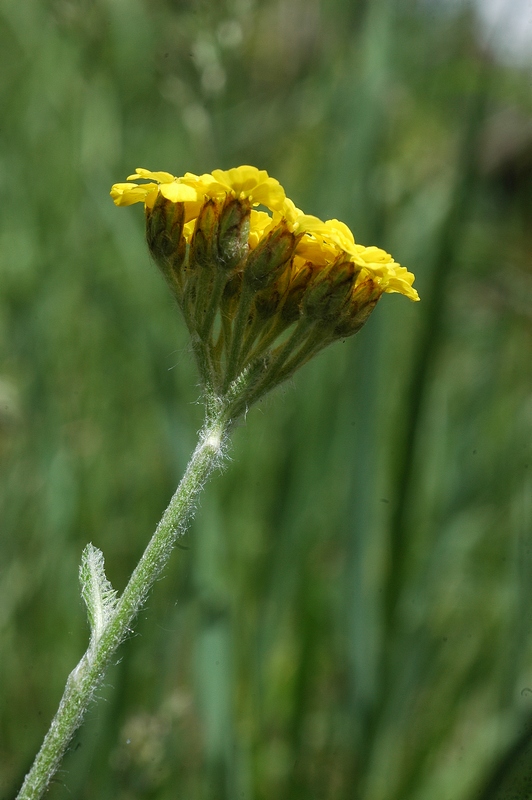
(233,233)
(291,308)
(362,302)
(329,291)
(266,262)
(164,234)
(203,247)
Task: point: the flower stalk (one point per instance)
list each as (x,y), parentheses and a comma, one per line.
(110,618)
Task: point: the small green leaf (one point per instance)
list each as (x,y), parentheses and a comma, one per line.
(97,592)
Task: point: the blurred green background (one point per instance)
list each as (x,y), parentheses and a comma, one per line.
(350,616)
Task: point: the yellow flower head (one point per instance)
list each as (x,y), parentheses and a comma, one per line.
(243,183)
(243,275)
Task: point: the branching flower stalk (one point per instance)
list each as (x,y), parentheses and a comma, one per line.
(261,293)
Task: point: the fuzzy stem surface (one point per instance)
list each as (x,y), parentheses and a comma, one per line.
(88,674)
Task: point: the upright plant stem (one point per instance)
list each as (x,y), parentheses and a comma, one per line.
(88,674)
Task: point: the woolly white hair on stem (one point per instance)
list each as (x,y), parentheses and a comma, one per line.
(97,592)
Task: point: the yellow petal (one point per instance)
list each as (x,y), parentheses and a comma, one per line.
(188,229)
(306,222)
(317,251)
(289,212)
(341,229)
(259,224)
(270,193)
(252,183)
(125,194)
(160,177)
(259,220)
(240,179)
(401,281)
(374,255)
(178,192)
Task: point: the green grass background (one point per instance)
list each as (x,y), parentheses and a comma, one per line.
(350,616)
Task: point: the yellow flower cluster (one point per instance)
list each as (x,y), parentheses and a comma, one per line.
(262,286)
(321,243)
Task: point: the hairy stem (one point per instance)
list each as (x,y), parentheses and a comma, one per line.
(88,674)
